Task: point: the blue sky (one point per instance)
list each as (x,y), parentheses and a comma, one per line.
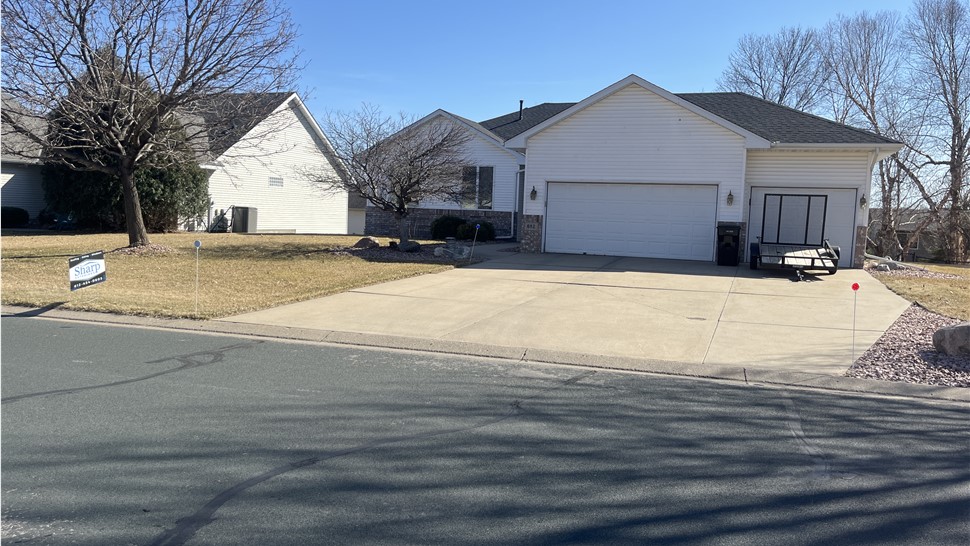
(477,59)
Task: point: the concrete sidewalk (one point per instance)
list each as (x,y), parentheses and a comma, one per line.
(695,318)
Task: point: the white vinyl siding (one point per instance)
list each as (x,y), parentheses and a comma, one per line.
(482,151)
(637,136)
(642,220)
(22,187)
(289,202)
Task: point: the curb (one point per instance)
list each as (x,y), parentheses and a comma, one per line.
(521,354)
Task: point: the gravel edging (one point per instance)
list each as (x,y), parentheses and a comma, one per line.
(905,353)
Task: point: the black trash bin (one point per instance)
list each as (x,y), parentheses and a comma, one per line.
(728,245)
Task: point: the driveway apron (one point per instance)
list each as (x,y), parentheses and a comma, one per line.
(695,313)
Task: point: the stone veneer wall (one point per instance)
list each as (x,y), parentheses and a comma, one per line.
(530,238)
(379,222)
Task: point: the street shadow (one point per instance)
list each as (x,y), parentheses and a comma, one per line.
(569,458)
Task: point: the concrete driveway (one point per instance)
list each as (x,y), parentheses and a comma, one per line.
(696,315)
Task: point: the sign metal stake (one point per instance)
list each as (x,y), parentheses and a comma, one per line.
(474,240)
(855,299)
(198,245)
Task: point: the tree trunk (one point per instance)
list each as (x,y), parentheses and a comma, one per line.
(954,226)
(402,228)
(137,234)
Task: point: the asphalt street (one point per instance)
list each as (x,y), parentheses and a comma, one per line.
(115,435)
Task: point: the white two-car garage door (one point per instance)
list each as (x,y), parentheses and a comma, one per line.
(643,220)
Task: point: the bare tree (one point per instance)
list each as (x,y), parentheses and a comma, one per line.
(121,76)
(393,162)
(864,56)
(786,68)
(938,35)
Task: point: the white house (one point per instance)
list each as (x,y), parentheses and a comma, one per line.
(20,169)
(493,171)
(263,160)
(635,170)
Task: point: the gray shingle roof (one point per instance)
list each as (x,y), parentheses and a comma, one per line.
(776,123)
(14,147)
(509,125)
(230,116)
(773,122)
(214,124)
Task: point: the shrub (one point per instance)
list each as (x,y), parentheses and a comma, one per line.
(486,231)
(96,198)
(13,217)
(446,226)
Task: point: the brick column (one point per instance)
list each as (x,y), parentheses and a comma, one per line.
(531,234)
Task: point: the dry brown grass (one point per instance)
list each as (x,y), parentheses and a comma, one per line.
(950,297)
(237,273)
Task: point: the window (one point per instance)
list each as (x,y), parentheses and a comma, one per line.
(276,182)
(476,187)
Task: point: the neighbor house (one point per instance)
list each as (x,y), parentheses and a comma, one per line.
(263,160)
(20,168)
(492,177)
(635,170)
(920,226)
(261,157)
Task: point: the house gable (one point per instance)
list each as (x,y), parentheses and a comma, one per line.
(520,141)
(484,149)
(266,169)
(634,135)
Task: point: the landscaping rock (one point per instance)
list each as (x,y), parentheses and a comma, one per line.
(882,268)
(453,251)
(953,340)
(410,246)
(367,242)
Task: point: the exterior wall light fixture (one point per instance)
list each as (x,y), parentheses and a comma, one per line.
(863,202)
(533,193)
(730,198)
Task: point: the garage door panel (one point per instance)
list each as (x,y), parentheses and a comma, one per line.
(645,220)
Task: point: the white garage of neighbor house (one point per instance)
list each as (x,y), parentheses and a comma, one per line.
(635,170)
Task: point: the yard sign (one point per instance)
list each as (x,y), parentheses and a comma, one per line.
(86,269)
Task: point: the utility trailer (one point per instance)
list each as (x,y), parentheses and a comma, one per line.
(798,258)
(793,235)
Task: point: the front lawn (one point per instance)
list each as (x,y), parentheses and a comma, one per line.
(946,296)
(237,273)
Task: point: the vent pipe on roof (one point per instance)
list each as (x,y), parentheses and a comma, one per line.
(521,102)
